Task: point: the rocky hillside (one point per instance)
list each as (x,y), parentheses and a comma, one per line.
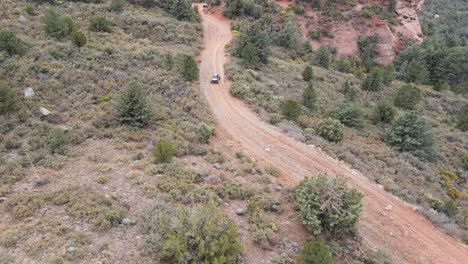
(341,23)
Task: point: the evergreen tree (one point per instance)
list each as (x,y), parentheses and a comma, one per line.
(291,109)
(182,10)
(322,56)
(416,72)
(288,36)
(462,118)
(349,93)
(331,130)
(373,81)
(255,35)
(308,73)
(350,114)
(10,43)
(189,67)
(8,99)
(309,97)
(407,97)
(315,252)
(250,56)
(384,112)
(133,107)
(163,151)
(413,134)
(78,38)
(57,26)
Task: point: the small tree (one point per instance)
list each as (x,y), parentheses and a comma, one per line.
(182,10)
(308,73)
(413,134)
(10,43)
(163,151)
(309,97)
(373,81)
(8,99)
(349,114)
(249,56)
(78,38)
(349,93)
(189,67)
(384,112)
(133,107)
(57,26)
(100,24)
(462,118)
(205,132)
(117,5)
(407,97)
(331,130)
(327,204)
(58,140)
(441,86)
(291,109)
(315,252)
(322,56)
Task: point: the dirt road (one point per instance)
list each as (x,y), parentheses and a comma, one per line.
(401,231)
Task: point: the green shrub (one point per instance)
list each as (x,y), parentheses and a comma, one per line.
(413,134)
(307,74)
(315,252)
(441,86)
(327,204)
(314,34)
(8,99)
(349,93)
(189,67)
(249,56)
(462,118)
(407,97)
(201,234)
(384,112)
(204,133)
(373,81)
(78,38)
(117,5)
(464,160)
(133,106)
(331,130)
(450,208)
(58,141)
(262,229)
(322,56)
(291,109)
(309,97)
(57,26)
(349,114)
(30,9)
(100,24)
(10,43)
(163,151)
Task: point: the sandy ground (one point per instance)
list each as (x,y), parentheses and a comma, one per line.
(401,231)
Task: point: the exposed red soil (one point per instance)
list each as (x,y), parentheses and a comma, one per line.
(402,232)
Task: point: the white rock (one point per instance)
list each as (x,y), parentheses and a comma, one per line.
(44,111)
(28,92)
(388,207)
(22,19)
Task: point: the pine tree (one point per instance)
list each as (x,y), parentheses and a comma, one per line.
(349,93)
(8,99)
(133,107)
(250,56)
(78,38)
(374,80)
(309,97)
(322,56)
(315,252)
(182,10)
(291,109)
(308,73)
(407,97)
(10,43)
(163,151)
(288,36)
(413,134)
(189,67)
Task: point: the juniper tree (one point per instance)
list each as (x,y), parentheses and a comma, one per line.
(308,73)
(189,67)
(309,97)
(133,106)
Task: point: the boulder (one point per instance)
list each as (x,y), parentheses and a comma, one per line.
(28,92)
(44,111)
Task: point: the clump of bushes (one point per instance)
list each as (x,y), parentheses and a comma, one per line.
(58,141)
(327,204)
(10,43)
(100,24)
(201,234)
(8,99)
(205,132)
(57,26)
(413,134)
(407,97)
(78,38)
(262,229)
(315,252)
(163,151)
(133,107)
(349,114)
(331,130)
(291,109)
(384,112)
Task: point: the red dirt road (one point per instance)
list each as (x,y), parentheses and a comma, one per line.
(401,231)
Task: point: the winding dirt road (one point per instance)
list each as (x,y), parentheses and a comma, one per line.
(401,231)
